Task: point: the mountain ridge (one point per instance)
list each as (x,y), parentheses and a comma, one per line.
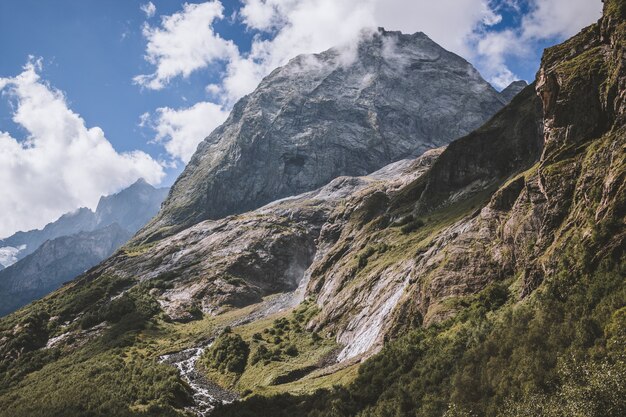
(84,219)
(62,250)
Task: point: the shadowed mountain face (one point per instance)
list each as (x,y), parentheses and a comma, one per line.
(513,89)
(55,262)
(132,207)
(340,112)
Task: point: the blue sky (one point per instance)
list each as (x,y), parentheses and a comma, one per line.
(141,83)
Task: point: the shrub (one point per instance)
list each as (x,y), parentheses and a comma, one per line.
(229,353)
(412,226)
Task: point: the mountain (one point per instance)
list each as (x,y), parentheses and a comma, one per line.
(485,277)
(513,89)
(22,244)
(131,208)
(56,261)
(327,115)
(41,260)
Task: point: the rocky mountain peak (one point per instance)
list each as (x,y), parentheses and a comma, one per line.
(345,111)
(513,89)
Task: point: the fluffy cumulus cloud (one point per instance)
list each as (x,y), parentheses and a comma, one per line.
(546,20)
(61,164)
(186,42)
(559,18)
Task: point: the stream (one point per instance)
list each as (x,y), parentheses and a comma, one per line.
(206,394)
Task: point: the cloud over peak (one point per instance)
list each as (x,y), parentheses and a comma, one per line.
(187,41)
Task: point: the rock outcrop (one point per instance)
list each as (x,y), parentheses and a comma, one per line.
(409,246)
(513,89)
(236,261)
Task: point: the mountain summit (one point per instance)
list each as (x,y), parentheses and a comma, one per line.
(340,112)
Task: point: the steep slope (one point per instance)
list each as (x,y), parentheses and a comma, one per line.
(132,207)
(513,89)
(327,115)
(518,306)
(215,267)
(56,261)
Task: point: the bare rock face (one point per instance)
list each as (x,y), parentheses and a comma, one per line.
(322,116)
(513,89)
(497,205)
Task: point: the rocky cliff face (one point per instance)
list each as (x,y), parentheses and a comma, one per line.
(236,261)
(327,115)
(541,173)
(132,207)
(528,206)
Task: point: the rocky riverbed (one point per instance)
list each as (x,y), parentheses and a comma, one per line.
(206,394)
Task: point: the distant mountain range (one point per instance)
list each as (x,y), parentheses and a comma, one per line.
(38,261)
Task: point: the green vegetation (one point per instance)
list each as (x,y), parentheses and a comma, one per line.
(616,8)
(497,357)
(229,353)
(270,354)
(412,226)
(97,384)
(560,351)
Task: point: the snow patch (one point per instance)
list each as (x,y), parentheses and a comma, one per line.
(8,255)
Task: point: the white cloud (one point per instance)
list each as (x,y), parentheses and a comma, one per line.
(149,9)
(62,164)
(260,14)
(559,18)
(184,43)
(296,26)
(182,130)
(548,20)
